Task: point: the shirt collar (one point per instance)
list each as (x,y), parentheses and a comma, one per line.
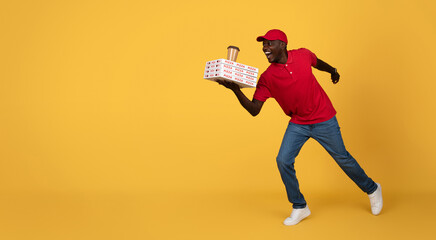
(290,59)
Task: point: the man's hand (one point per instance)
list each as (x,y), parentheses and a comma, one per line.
(230,85)
(323,66)
(335,77)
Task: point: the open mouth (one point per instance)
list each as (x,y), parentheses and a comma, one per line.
(268,55)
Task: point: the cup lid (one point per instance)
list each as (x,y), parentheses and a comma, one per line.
(233,47)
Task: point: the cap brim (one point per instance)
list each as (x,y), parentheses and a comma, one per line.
(260,38)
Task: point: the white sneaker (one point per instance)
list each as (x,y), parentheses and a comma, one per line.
(376,200)
(296,216)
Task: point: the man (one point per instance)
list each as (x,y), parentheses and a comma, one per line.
(289,79)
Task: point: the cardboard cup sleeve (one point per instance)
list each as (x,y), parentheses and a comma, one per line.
(232,53)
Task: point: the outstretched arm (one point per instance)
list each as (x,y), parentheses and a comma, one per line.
(253,107)
(323,66)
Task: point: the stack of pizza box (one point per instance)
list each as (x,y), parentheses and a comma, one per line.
(223,69)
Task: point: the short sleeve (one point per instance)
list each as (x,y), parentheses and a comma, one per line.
(311,55)
(262,92)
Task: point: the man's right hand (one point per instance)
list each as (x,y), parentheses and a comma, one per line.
(230,85)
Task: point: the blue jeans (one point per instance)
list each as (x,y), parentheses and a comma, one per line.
(328,134)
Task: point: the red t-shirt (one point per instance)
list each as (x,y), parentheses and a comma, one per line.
(296,89)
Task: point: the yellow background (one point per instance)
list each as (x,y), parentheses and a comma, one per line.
(108,131)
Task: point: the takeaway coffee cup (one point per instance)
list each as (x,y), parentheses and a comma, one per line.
(232,53)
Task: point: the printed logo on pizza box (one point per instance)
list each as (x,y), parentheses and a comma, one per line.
(239,70)
(251,78)
(227,66)
(225,61)
(249,83)
(229,62)
(228,71)
(239,75)
(228,76)
(239,80)
(240,65)
(252,68)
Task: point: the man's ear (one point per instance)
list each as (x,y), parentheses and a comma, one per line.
(283,45)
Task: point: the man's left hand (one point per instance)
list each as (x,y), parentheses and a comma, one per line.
(335,77)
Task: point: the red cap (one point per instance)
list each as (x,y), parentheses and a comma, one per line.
(273,34)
